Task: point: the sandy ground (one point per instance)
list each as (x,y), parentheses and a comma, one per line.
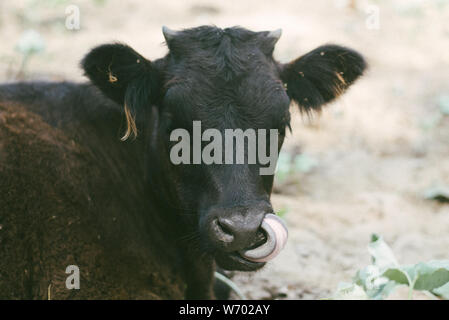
(376,150)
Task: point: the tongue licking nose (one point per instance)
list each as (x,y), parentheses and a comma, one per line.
(276,234)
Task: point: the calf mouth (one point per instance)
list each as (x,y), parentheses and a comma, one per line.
(235,261)
(268,242)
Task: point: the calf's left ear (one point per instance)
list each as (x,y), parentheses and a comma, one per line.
(124,76)
(321,75)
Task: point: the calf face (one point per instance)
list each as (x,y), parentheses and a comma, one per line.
(226,79)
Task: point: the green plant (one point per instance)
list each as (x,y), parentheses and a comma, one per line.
(385,274)
(289,164)
(29,44)
(282,212)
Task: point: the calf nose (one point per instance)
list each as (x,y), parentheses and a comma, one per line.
(236,231)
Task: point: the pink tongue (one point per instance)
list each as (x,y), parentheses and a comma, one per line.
(277,235)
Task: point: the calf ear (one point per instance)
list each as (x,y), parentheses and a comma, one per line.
(321,75)
(124,76)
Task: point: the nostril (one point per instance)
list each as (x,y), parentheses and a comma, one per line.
(224,226)
(222,231)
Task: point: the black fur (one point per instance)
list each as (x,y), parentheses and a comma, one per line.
(321,75)
(123,75)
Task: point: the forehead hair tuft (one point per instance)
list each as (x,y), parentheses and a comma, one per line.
(223,51)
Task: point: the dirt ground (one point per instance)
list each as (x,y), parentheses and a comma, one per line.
(376,150)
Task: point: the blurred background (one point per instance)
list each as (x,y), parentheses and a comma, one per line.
(375,161)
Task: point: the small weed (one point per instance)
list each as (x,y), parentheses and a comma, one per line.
(378,280)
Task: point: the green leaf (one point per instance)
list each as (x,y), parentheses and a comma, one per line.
(381,253)
(384,291)
(375,284)
(422,276)
(442,291)
(397,275)
(379,280)
(282,212)
(349,291)
(431,275)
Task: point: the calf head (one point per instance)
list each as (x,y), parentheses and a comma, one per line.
(226,79)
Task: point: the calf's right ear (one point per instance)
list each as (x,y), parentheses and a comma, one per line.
(322,75)
(124,76)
